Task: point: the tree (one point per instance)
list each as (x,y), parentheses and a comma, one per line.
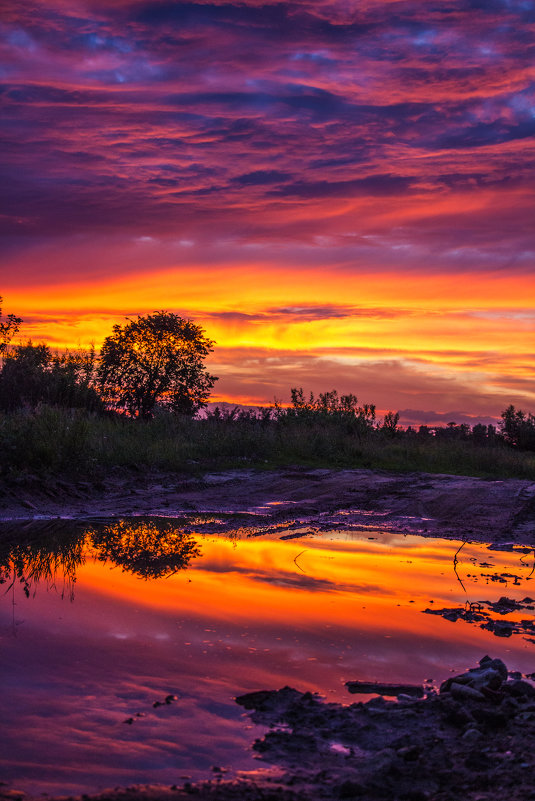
(518,428)
(390,424)
(157,359)
(32,375)
(8,328)
(327,409)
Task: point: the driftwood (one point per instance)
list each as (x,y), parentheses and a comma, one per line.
(385,689)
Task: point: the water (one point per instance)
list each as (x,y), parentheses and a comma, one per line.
(89,646)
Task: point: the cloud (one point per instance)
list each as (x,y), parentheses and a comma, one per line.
(304,314)
(280,79)
(257,376)
(418,417)
(301,140)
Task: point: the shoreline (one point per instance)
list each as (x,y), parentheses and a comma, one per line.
(427,504)
(471,740)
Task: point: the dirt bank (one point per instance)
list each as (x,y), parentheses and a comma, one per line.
(459,507)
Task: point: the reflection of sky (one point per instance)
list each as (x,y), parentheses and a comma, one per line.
(259,614)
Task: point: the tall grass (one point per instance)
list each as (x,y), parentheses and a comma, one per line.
(51,441)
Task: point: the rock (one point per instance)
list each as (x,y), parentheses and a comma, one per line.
(500,628)
(493,718)
(255,700)
(455,712)
(349,789)
(471,735)
(463,692)
(28,504)
(497,664)
(490,674)
(409,752)
(520,688)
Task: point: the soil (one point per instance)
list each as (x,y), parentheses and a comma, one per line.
(469,744)
(458,507)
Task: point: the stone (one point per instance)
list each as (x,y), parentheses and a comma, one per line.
(463,692)
(520,688)
(471,735)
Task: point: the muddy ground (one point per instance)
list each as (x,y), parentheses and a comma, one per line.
(468,741)
(458,507)
(446,746)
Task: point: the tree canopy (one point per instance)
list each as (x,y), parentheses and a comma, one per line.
(32,375)
(8,328)
(156,360)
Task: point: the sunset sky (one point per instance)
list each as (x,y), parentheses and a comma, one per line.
(342,193)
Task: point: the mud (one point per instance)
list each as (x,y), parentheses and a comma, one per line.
(472,740)
(457,507)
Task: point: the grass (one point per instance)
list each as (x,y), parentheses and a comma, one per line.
(56,442)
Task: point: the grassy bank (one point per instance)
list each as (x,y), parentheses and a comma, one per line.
(58,442)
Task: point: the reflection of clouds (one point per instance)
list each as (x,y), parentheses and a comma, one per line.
(298,581)
(124,644)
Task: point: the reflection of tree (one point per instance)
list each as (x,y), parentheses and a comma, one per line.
(29,557)
(53,551)
(147,550)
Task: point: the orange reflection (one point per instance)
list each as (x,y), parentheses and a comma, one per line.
(365,586)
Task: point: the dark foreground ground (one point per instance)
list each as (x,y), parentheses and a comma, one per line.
(473,740)
(457,507)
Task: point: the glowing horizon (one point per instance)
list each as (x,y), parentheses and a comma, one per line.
(342,198)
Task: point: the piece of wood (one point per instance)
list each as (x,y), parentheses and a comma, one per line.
(385,689)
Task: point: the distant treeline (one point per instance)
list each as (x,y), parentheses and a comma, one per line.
(142,402)
(517,428)
(32,376)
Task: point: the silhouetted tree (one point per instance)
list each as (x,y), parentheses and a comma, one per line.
(8,328)
(390,423)
(157,359)
(518,428)
(479,434)
(31,375)
(327,406)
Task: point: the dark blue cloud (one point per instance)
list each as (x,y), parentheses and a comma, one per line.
(262,178)
(481,134)
(375,185)
(172,112)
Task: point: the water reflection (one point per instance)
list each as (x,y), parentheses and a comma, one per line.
(48,554)
(52,553)
(247,614)
(145,549)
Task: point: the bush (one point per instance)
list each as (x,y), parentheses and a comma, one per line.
(31,375)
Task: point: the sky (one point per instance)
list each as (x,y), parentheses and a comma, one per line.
(341,193)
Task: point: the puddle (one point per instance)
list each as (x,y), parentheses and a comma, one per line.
(123,648)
